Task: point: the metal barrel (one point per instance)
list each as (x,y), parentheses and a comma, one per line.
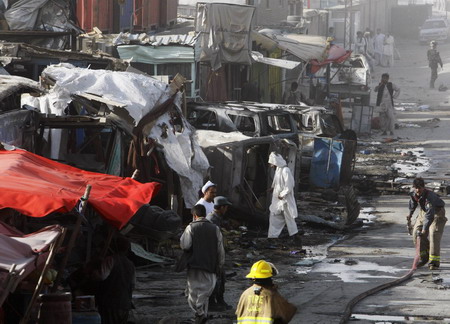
(55,308)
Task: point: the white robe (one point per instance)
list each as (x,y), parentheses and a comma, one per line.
(282,211)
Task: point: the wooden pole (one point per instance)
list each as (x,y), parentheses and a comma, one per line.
(56,245)
(73,237)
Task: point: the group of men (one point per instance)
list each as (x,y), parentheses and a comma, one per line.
(378,49)
(203,240)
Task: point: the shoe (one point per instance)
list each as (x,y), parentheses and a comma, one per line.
(392,133)
(433,266)
(422,263)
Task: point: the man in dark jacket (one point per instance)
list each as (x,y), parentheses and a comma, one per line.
(217,301)
(429,224)
(434,59)
(386,93)
(207,258)
(117,275)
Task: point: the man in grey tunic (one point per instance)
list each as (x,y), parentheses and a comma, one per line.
(207,258)
(386,93)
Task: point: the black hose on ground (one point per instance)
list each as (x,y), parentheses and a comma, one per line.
(357,299)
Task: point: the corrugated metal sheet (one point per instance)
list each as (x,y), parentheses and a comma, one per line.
(95,13)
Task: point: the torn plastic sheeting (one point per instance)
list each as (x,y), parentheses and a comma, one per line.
(184,155)
(23,14)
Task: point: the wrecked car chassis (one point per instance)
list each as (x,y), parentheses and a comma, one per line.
(242,173)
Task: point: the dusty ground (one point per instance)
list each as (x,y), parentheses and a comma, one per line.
(361,257)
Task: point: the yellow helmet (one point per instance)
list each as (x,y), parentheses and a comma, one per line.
(260,270)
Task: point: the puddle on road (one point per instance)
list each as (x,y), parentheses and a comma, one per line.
(367,215)
(421,164)
(359,273)
(391,319)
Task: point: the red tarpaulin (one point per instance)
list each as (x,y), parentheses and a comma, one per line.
(36,186)
(336,54)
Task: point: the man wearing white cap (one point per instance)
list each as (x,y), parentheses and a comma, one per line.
(209,191)
(283,210)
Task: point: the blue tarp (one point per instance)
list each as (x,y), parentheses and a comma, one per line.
(326,163)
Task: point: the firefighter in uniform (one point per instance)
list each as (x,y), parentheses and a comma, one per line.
(429,223)
(262,303)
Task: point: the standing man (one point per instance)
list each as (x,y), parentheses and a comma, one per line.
(262,303)
(217,301)
(434,58)
(116,274)
(386,92)
(283,210)
(207,258)
(360,43)
(388,50)
(293,96)
(378,47)
(209,191)
(429,224)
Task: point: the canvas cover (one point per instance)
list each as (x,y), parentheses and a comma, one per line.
(224,33)
(36,186)
(27,252)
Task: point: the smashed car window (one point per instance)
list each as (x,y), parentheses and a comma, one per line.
(203,119)
(279,124)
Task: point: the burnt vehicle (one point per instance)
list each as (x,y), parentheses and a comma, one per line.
(239,167)
(250,119)
(17,124)
(301,124)
(350,79)
(321,127)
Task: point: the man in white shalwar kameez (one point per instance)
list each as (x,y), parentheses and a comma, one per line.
(283,210)
(378,47)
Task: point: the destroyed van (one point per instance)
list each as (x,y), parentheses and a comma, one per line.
(250,119)
(239,167)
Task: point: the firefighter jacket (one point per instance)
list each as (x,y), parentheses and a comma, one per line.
(261,305)
(429,202)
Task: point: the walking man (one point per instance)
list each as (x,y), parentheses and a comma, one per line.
(386,93)
(429,223)
(434,58)
(207,258)
(217,301)
(262,303)
(388,50)
(378,47)
(209,191)
(283,210)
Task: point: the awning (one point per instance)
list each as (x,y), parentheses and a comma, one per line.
(156,55)
(285,64)
(36,186)
(336,54)
(25,252)
(305,47)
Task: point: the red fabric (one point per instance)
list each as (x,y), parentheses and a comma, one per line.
(36,186)
(336,54)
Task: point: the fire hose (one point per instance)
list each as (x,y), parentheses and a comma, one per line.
(357,299)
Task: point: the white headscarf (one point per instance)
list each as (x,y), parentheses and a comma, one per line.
(207,185)
(277,160)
